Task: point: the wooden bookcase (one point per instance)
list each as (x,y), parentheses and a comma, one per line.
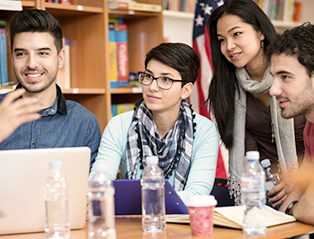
(178,26)
(85,24)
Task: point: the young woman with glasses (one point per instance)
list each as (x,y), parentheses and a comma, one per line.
(163,124)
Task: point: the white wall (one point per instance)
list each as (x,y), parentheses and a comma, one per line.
(178,26)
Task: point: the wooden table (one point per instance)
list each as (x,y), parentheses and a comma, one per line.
(131,227)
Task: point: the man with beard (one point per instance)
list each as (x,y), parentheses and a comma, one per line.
(292,65)
(37,54)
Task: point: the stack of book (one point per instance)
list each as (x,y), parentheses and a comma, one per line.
(179,5)
(280,10)
(133,5)
(68,2)
(118,53)
(4,80)
(121,108)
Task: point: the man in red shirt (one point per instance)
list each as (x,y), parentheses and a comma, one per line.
(292,65)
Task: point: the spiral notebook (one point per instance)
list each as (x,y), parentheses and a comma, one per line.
(128,198)
(22,206)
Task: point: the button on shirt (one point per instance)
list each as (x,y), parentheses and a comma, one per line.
(65,124)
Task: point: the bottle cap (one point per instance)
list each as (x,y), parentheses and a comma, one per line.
(202,201)
(55,165)
(100,166)
(265,163)
(151,159)
(252,155)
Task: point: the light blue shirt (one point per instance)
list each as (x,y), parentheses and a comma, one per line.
(113,150)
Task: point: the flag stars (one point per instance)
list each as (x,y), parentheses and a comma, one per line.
(208,9)
(221,2)
(199,20)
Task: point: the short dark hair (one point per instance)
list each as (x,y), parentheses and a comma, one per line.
(35,20)
(298,42)
(179,56)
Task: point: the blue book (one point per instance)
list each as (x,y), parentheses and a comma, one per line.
(114,110)
(4,57)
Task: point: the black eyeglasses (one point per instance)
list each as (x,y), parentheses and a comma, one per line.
(163,82)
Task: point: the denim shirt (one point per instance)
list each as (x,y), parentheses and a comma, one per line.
(65,124)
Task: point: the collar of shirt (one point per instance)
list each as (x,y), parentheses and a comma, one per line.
(59,105)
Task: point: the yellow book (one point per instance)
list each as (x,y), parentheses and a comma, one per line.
(135,6)
(113,58)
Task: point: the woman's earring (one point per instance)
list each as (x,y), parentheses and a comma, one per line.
(262,43)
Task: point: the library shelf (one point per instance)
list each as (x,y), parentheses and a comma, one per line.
(86,91)
(86,24)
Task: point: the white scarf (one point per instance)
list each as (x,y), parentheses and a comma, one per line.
(283,130)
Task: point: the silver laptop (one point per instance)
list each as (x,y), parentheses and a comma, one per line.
(22,175)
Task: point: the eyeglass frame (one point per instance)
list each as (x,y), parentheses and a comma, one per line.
(156,79)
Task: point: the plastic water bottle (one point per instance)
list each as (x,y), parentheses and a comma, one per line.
(253,195)
(56,202)
(153,197)
(101,204)
(272,179)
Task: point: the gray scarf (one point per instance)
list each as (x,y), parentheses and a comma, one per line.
(174,150)
(283,129)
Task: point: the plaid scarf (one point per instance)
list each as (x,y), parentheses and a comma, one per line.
(174,150)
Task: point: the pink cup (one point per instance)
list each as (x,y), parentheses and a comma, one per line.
(201,211)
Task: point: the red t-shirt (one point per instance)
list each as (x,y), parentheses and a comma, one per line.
(308,135)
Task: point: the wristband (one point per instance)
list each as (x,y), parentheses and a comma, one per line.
(288,210)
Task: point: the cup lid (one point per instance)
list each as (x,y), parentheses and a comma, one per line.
(202,201)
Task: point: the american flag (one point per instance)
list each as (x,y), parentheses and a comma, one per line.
(201,44)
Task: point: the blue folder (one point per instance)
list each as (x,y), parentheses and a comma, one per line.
(128,198)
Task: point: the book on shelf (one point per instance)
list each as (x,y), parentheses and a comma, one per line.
(113,60)
(179,5)
(121,108)
(232,217)
(288,10)
(134,6)
(122,52)
(11,5)
(4,79)
(64,74)
(67,2)
(281,10)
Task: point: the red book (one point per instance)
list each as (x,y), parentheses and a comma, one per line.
(122,53)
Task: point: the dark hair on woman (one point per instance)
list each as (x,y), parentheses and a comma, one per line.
(34,20)
(179,56)
(298,42)
(221,96)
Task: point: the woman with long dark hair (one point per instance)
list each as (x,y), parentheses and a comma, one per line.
(248,118)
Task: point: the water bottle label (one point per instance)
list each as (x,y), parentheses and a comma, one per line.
(251,184)
(269,185)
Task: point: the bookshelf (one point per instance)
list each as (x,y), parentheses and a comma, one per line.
(174,20)
(85,24)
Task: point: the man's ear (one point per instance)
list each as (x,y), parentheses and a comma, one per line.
(187,90)
(62,58)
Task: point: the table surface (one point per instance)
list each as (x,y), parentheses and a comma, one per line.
(131,227)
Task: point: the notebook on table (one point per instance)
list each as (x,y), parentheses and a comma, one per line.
(128,198)
(23,172)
